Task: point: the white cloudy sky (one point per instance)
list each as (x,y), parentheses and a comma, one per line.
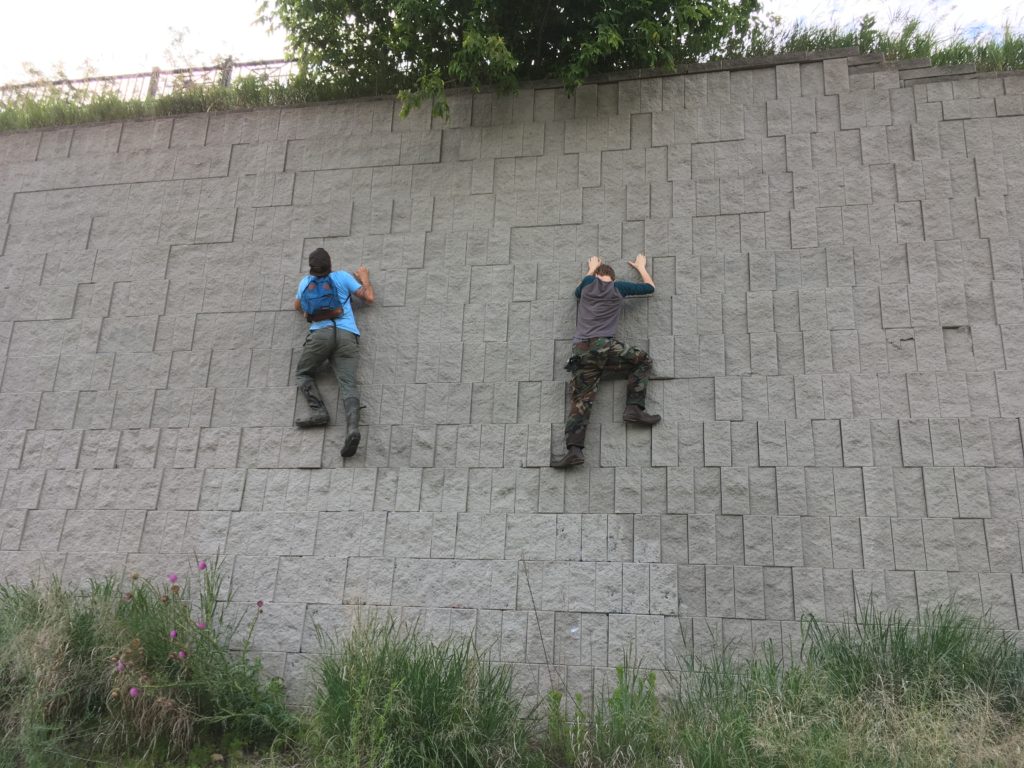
(127,36)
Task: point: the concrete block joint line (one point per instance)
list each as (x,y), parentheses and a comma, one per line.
(836,341)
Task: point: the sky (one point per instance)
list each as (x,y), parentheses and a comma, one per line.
(129,36)
(119,37)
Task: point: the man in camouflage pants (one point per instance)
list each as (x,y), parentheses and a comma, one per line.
(596,352)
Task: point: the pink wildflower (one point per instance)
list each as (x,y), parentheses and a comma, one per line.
(202,565)
(119,666)
(133,692)
(172,577)
(259,603)
(182,655)
(174,634)
(200,625)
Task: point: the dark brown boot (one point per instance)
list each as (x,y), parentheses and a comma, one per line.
(634,414)
(318,411)
(352,436)
(571,458)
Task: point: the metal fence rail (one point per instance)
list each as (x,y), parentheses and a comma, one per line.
(157,82)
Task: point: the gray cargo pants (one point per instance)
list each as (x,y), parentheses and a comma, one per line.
(338,346)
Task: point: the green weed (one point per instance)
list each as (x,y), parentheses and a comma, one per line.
(388,697)
(905,37)
(144,669)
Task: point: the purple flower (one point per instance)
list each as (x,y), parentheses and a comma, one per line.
(182,654)
(119,666)
(172,577)
(200,625)
(259,603)
(133,692)
(174,634)
(202,565)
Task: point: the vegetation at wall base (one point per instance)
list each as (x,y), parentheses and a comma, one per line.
(388,697)
(131,669)
(141,675)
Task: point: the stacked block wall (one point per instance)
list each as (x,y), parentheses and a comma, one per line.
(838,331)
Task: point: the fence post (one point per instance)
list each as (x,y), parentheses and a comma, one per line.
(154,82)
(225,71)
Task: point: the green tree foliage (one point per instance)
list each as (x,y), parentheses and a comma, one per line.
(418,47)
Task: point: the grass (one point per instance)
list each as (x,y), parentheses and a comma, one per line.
(55,108)
(906,37)
(141,670)
(883,691)
(387,697)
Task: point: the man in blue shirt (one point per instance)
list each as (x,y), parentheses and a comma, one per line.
(333,335)
(595,352)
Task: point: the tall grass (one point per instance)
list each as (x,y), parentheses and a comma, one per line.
(906,37)
(144,669)
(387,697)
(101,674)
(948,651)
(56,108)
(624,729)
(883,692)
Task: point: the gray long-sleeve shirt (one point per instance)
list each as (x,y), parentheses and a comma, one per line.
(601,305)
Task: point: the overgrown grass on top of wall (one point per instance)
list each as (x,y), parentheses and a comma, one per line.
(907,37)
(56,108)
(142,675)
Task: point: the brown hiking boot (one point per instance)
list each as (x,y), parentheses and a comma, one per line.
(637,415)
(571,458)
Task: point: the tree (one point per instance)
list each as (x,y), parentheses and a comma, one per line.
(418,47)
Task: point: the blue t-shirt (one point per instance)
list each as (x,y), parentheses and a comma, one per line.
(346,285)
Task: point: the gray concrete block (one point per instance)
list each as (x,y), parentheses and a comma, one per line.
(908,544)
(1003,541)
(940,492)
(1006,442)
(997,599)
(879,491)
(972,551)
(839,595)
(910,492)
(828,449)
(946,444)
(820,490)
(856,442)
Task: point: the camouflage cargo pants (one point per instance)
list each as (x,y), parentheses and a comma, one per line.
(592,359)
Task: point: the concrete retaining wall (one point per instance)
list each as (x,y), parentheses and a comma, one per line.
(838,332)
